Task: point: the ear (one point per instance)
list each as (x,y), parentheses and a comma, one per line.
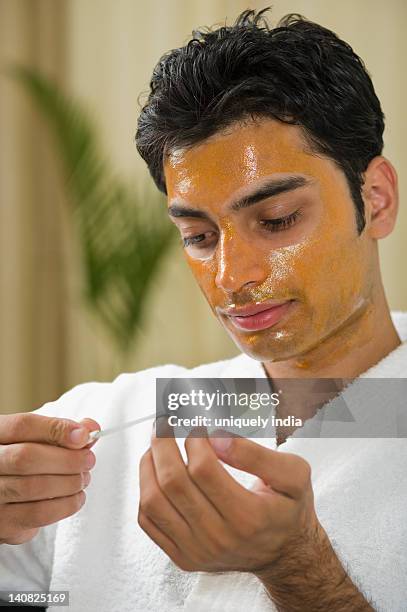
(380,194)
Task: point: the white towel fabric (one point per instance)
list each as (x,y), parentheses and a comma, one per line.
(109,564)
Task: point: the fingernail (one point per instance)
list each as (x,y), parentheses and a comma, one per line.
(93,436)
(85,479)
(161,428)
(79,435)
(90,460)
(221,445)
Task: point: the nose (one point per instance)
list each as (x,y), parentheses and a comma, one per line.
(239,263)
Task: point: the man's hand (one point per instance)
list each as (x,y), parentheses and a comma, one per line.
(205,520)
(43,471)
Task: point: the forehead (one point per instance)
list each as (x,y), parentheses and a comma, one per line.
(232,159)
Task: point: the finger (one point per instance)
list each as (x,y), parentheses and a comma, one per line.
(91,425)
(259,486)
(285,472)
(32,458)
(29,427)
(232,500)
(155,505)
(175,481)
(30,515)
(24,536)
(33,488)
(163,541)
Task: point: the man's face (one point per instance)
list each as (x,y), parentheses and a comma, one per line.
(269,226)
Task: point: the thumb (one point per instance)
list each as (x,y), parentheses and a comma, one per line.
(285,472)
(71,434)
(33,427)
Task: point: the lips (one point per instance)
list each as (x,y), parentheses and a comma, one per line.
(256,317)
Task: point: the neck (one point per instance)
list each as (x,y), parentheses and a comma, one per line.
(361,342)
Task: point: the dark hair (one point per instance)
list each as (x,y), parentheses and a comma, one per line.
(297,72)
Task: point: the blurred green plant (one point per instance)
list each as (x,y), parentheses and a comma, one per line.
(123,236)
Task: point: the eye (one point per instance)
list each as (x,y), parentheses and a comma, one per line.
(194,240)
(277,225)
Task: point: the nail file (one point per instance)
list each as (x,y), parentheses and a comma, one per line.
(95,435)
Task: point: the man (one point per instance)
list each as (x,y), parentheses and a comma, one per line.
(268,145)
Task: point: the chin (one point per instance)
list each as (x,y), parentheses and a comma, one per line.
(289,338)
(279,345)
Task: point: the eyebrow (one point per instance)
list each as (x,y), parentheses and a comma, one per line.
(269,189)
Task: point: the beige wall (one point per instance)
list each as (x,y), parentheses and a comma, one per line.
(104,52)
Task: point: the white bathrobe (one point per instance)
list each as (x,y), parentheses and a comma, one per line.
(108,563)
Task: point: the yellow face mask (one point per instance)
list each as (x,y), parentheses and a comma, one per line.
(298,246)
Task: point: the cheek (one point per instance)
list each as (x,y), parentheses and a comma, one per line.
(333,276)
(204,273)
